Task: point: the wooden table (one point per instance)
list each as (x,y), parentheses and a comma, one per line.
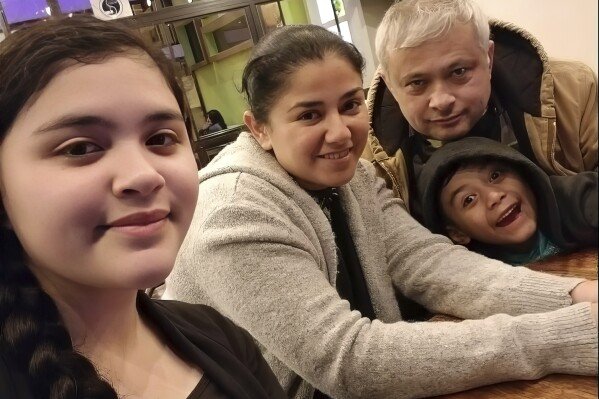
(555,386)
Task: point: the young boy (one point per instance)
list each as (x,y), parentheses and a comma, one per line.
(489,197)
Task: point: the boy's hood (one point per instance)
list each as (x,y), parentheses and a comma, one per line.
(443,160)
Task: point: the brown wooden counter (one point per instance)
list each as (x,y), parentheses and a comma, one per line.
(555,386)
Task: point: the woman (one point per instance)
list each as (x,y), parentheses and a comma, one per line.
(214,122)
(298,241)
(98,186)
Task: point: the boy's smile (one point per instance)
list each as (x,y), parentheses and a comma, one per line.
(490,204)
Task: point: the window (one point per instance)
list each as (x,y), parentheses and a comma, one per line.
(270,16)
(225,34)
(195,43)
(327,10)
(17,11)
(69,6)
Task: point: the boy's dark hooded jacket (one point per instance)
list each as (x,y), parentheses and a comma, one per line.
(567,205)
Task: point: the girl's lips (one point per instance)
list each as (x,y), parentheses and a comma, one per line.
(141,230)
(139,218)
(140,224)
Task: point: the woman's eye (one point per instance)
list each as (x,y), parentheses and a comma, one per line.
(467,200)
(352,105)
(308,116)
(81,148)
(162,140)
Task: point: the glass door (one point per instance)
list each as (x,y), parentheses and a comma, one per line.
(209,52)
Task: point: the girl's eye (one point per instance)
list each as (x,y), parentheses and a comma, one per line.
(495,175)
(467,200)
(162,140)
(80,149)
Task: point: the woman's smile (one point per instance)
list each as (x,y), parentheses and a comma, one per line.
(336,155)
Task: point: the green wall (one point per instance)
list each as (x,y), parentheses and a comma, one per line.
(294,12)
(220,81)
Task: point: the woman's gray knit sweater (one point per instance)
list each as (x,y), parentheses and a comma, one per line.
(262,252)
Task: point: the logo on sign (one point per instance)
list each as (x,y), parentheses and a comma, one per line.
(111,8)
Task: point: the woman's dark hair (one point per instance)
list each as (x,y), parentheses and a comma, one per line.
(282,52)
(216,117)
(32,333)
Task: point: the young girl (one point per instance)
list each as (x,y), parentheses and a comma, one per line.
(214,122)
(98,186)
(300,243)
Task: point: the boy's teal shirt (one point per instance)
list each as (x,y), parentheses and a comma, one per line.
(542,248)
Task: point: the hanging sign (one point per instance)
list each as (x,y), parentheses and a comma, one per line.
(111,9)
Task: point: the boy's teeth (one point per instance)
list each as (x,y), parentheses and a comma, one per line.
(507,214)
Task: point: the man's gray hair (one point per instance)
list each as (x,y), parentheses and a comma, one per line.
(409,23)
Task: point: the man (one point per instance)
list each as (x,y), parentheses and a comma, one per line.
(442,78)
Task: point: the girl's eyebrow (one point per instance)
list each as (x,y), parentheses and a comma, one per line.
(69,121)
(166,115)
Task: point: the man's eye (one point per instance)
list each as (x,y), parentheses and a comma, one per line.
(81,148)
(416,83)
(467,200)
(162,140)
(459,72)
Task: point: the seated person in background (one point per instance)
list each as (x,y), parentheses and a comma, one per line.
(214,122)
(298,241)
(98,185)
(442,78)
(492,199)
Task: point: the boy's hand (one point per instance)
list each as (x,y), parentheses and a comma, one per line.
(585,292)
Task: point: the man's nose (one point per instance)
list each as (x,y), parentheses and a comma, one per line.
(441,98)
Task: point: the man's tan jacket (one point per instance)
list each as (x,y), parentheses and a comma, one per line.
(551,106)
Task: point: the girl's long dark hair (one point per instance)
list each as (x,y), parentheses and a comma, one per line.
(33,337)
(216,117)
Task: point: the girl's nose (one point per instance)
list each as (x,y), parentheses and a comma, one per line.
(136,176)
